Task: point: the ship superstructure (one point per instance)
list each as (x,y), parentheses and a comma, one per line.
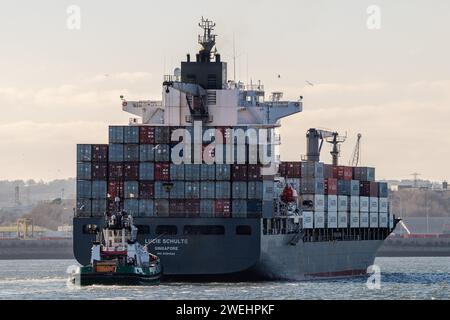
(200,172)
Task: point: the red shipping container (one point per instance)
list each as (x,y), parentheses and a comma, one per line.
(282,169)
(100,153)
(364,189)
(115,171)
(147,135)
(162,171)
(192,208)
(115,189)
(146,190)
(374,189)
(177,209)
(99,171)
(223,208)
(239,172)
(131,171)
(331,186)
(293,170)
(254,172)
(342,173)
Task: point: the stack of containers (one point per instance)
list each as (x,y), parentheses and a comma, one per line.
(331,202)
(368,200)
(92,174)
(312,188)
(383,206)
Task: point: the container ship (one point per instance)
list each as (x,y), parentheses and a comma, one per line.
(200,172)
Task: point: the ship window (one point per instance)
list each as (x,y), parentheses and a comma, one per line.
(244,230)
(204,230)
(90,229)
(143,229)
(166,230)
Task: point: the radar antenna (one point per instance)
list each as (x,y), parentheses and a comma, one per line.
(207,40)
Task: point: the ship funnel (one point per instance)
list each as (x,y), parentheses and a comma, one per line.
(312,145)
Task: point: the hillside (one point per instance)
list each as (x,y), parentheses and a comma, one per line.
(420,202)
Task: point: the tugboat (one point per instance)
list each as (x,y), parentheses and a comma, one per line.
(117,258)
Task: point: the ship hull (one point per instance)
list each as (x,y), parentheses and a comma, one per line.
(237,257)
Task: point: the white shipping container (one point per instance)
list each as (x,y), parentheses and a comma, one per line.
(354,219)
(308,220)
(318,201)
(364,219)
(354,203)
(373,204)
(343,204)
(374,219)
(383,205)
(342,219)
(319,219)
(332,205)
(384,220)
(332,222)
(364,205)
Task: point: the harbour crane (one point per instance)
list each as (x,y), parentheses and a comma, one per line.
(356,152)
(313,147)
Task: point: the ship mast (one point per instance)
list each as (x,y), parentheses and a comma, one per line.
(207,40)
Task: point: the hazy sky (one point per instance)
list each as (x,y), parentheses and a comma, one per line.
(390,84)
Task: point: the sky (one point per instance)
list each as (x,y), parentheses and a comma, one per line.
(60,86)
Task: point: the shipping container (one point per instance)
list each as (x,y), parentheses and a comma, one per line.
(177,209)
(131,189)
(239,190)
(100,153)
(207,208)
(254,172)
(328,171)
(383,220)
(373,219)
(364,219)
(192,208)
(319,219)
(331,186)
(131,134)
(147,153)
(364,204)
(255,190)
(116,134)
(113,206)
(146,171)
(282,169)
(162,171)
(293,170)
(268,190)
(364,174)
(343,203)
(178,190)
(354,203)
(84,207)
(374,189)
(343,173)
(84,153)
(146,208)
(308,220)
(99,190)
(146,190)
(146,135)
(162,190)
(222,208)
(192,172)
(223,172)
(162,135)
(162,153)
(161,208)
(312,202)
(98,207)
(99,171)
(332,220)
(115,189)
(368,189)
(176,172)
(131,206)
(239,172)
(131,171)
(354,188)
(373,204)
(116,152)
(331,204)
(239,209)
(354,219)
(131,153)
(342,219)
(383,205)
(207,190)
(192,190)
(312,170)
(383,191)
(344,188)
(254,208)
(391,221)
(84,171)
(312,186)
(207,172)
(223,189)
(294,183)
(84,189)
(115,171)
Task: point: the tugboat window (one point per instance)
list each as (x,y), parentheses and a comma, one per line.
(244,230)
(90,229)
(204,230)
(167,230)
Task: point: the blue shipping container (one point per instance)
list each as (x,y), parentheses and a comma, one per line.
(207,190)
(99,189)
(131,134)
(207,208)
(176,172)
(84,189)
(255,190)
(146,208)
(223,190)
(84,152)
(131,189)
(84,171)
(131,206)
(162,153)
(84,207)
(116,134)
(161,191)
(177,191)
(192,172)
(192,190)
(223,172)
(131,153)
(239,190)
(116,153)
(239,209)
(98,208)
(207,172)
(147,153)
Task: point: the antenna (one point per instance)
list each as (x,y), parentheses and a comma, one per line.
(207,40)
(416,175)
(356,152)
(234,58)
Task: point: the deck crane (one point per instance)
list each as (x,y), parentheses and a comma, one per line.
(314,147)
(356,156)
